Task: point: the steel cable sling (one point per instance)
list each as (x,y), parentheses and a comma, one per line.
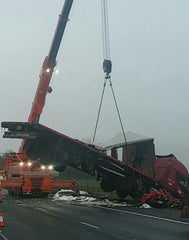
(107,67)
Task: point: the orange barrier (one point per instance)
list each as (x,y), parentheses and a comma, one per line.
(8,183)
(65,184)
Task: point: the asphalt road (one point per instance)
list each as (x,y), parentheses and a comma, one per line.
(33,219)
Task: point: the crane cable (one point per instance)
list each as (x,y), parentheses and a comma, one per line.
(107,67)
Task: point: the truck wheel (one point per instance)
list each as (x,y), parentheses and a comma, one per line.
(133,192)
(124,188)
(61,156)
(88,163)
(122,193)
(76,157)
(108,185)
(59,168)
(48,154)
(32,148)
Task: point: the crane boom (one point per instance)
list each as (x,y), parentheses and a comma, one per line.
(48,66)
(63,19)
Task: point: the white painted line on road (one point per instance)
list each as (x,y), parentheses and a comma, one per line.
(43,210)
(146,215)
(3,236)
(22,204)
(90,225)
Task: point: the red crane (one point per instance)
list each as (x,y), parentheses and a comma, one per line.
(49,65)
(47,72)
(13,184)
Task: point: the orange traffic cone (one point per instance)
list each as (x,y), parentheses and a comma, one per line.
(1,220)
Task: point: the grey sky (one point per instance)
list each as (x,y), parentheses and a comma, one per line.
(150,55)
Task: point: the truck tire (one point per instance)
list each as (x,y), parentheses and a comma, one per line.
(59,167)
(108,185)
(133,192)
(76,157)
(61,156)
(122,193)
(48,154)
(32,149)
(88,163)
(124,187)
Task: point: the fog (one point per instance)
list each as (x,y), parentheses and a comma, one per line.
(150,74)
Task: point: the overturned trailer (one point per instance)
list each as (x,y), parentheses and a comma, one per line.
(134,175)
(48,146)
(138,151)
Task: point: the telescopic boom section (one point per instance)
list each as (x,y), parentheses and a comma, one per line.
(48,65)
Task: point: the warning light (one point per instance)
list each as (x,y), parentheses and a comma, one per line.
(29,164)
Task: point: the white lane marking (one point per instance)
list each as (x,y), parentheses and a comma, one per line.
(3,236)
(43,210)
(22,204)
(146,215)
(90,225)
